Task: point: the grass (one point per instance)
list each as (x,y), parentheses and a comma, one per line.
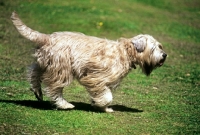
(167,102)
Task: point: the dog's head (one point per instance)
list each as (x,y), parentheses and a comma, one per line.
(149,51)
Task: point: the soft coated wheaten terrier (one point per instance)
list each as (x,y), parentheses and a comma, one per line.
(98,64)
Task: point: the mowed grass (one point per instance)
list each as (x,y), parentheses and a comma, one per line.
(166,102)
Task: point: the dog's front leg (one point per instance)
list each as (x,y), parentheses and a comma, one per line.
(101,99)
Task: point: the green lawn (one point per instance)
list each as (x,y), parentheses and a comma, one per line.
(166,102)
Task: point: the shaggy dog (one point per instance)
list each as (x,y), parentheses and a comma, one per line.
(98,64)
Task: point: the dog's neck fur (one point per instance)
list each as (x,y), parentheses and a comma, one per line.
(133,56)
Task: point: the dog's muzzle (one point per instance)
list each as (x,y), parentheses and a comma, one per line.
(164,55)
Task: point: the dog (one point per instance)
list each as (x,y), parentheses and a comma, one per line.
(98,64)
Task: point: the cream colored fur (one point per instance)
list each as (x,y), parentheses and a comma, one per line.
(98,64)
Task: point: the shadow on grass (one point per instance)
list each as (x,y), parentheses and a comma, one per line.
(46,105)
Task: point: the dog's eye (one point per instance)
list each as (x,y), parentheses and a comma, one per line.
(160,46)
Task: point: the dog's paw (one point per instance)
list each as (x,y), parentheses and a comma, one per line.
(104,109)
(68,106)
(38,94)
(109,110)
(64,105)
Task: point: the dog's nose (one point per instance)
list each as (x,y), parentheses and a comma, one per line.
(164,55)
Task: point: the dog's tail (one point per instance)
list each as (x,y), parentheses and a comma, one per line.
(34,36)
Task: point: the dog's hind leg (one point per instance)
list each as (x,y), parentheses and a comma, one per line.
(34,77)
(56,95)
(57,75)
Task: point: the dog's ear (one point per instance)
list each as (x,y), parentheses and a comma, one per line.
(139,43)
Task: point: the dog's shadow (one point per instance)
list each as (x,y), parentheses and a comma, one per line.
(46,105)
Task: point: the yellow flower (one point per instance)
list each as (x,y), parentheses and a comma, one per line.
(100,24)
